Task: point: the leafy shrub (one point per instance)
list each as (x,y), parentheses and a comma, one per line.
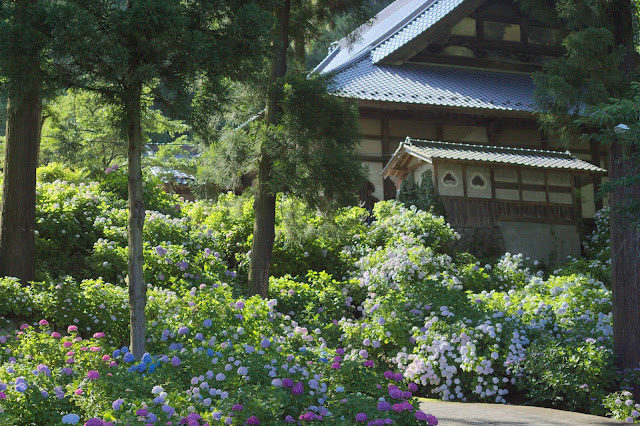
(570,375)
(622,406)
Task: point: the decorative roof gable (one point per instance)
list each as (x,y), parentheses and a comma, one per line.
(371,68)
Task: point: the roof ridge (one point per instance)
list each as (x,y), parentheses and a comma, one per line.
(412,13)
(491,148)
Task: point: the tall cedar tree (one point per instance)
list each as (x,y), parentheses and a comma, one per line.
(122,48)
(25,35)
(309,140)
(600,64)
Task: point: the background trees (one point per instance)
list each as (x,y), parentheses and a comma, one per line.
(124,51)
(306,142)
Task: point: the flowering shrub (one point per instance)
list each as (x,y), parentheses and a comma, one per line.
(622,406)
(361,318)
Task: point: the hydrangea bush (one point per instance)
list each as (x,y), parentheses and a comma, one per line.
(362,317)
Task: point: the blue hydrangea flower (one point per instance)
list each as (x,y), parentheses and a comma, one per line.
(70,419)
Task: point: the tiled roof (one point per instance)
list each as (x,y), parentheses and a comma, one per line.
(435,85)
(369,35)
(428,150)
(435,11)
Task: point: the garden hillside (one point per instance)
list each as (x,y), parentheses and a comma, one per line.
(363,316)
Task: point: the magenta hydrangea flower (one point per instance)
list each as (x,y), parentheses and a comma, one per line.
(298,389)
(423,417)
(308,416)
(43,322)
(253,420)
(55,335)
(99,335)
(413,387)
(361,417)
(335,365)
(142,412)
(94,422)
(384,406)
(93,375)
(395,393)
(340,351)
(72,328)
(24,326)
(287,382)
(236,407)
(369,363)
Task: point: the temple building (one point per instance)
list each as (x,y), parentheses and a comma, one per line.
(446,86)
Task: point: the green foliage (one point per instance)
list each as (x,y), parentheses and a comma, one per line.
(58,171)
(313,147)
(622,406)
(422,195)
(317,300)
(83,129)
(568,375)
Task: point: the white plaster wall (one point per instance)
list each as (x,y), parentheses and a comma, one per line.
(536,196)
(505,175)
(376,179)
(507,194)
(466,27)
(560,198)
(531,176)
(370,147)
(559,179)
(456,190)
(550,243)
(475,191)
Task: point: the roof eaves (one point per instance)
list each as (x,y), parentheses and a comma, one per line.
(413,43)
(398,26)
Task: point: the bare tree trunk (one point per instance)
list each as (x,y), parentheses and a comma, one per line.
(299,52)
(625,236)
(18,216)
(625,266)
(137,287)
(265,201)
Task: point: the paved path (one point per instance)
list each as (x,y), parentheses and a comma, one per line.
(467,414)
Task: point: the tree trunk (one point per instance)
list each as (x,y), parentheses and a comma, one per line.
(265,200)
(625,237)
(18,216)
(299,51)
(137,287)
(625,266)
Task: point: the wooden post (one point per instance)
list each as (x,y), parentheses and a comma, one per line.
(492,181)
(546,185)
(519,184)
(464,179)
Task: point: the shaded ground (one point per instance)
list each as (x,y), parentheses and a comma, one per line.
(466,414)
